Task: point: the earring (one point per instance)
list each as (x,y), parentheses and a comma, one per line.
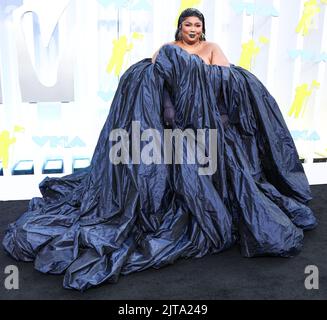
(203,37)
(180,35)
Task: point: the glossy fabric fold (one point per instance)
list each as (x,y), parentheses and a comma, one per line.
(108,220)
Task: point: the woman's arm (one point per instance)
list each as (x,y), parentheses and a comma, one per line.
(168,106)
(218,57)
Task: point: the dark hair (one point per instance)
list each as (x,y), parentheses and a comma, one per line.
(190,12)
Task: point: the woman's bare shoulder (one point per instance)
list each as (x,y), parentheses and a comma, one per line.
(212,45)
(217,55)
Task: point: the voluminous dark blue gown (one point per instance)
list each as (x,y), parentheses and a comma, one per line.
(108,219)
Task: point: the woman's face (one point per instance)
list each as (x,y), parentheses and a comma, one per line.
(191,29)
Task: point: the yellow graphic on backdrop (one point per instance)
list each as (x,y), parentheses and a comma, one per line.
(263,40)
(137,36)
(249,51)
(302,94)
(311,9)
(5,142)
(19,129)
(186,4)
(120,49)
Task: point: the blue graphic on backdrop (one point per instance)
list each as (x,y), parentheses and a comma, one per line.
(108,24)
(117,3)
(253,8)
(133,5)
(305,135)
(308,55)
(141,5)
(59,141)
(106,95)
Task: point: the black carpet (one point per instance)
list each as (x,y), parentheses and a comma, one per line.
(222,276)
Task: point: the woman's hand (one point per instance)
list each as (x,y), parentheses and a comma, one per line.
(169,109)
(169,116)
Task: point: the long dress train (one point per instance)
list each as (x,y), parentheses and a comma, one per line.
(111,219)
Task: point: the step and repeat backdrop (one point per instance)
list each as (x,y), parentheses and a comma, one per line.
(61,61)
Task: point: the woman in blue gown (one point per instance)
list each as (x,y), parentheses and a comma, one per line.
(116,218)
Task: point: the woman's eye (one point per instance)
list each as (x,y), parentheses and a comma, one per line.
(197,26)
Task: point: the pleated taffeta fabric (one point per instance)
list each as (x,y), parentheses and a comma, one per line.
(111,219)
